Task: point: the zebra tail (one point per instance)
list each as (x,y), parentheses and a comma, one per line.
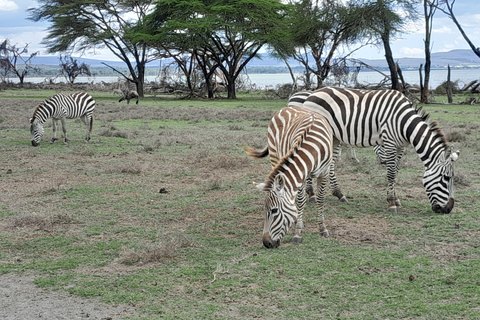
(254,153)
(91,124)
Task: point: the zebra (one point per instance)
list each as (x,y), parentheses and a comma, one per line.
(60,107)
(297,99)
(299,146)
(386,117)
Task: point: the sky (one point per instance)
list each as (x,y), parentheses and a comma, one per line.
(15,26)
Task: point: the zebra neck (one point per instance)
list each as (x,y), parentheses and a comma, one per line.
(43,112)
(427,139)
(294,172)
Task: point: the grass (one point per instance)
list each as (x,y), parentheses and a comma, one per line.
(158,211)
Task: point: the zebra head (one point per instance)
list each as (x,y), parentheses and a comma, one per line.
(280,211)
(438,182)
(36,129)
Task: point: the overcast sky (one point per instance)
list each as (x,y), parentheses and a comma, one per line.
(15,27)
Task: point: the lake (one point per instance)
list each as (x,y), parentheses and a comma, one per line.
(266,80)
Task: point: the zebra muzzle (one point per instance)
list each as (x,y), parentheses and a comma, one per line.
(447,209)
(268,242)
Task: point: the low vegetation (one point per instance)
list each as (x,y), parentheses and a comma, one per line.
(158,211)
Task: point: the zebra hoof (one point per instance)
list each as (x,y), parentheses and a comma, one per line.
(297,239)
(397,203)
(343,199)
(53,140)
(312,199)
(325,233)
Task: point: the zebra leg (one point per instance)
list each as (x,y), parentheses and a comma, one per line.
(321,188)
(333,179)
(64,128)
(301,201)
(88,120)
(54,125)
(353,154)
(393,155)
(309,189)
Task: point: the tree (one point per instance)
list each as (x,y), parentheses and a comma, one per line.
(446,6)
(84,25)
(12,61)
(70,68)
(429,8)
(319,29)
(386,19)
(221,34)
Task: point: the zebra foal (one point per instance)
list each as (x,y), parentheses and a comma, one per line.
(60,107)
(365,118)
(299,146)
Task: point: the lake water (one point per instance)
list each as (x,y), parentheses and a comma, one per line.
(265,80)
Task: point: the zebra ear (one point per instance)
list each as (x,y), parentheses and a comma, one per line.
(454,156)
(279,183)
(259,186)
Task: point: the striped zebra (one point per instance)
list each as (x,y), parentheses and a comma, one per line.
(60,107)
(386,117)
(299,146)
(297,99)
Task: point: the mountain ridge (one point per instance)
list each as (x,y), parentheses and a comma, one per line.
(458,58)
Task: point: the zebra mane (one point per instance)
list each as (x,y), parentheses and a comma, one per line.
(35,113)
(433,125)
(282,164)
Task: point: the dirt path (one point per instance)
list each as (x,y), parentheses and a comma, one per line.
(21,299)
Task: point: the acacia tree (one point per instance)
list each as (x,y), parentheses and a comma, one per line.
(222,34)
(319,29)
(446,6)
(89,25)
(386,19)
(13,61)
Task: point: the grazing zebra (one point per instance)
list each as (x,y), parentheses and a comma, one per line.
(386,117)
(60,107)
(299,146)
(297,99)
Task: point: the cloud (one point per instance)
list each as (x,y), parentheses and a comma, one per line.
(442,30)
(8,5)
(412,52)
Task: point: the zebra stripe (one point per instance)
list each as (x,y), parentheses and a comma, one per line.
(299,146)
(386,117)
(60,107)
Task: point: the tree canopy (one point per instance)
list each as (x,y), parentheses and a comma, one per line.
(227,33)
(90,25)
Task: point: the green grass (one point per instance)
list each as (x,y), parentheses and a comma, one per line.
(158,211)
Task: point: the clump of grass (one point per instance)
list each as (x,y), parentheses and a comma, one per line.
(128,168)
(162,250)
(235,127)
(113,132)
(40,222)
(456,136)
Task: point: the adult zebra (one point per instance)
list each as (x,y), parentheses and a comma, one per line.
(386,117)
(299,146)
(60,107)
(297,99)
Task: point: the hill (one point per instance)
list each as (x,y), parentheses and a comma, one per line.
(462,58)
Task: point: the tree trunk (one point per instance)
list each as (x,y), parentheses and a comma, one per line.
(391,64)
(449,86)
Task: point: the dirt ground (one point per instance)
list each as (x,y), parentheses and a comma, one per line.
(20,298)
